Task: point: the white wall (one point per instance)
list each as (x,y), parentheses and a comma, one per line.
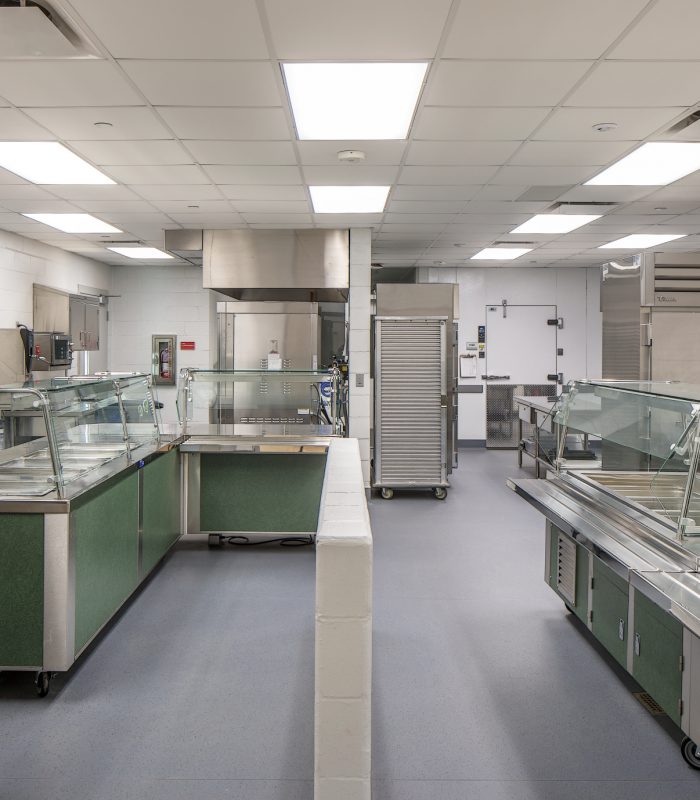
(163,300)
(24,262)
(576,294)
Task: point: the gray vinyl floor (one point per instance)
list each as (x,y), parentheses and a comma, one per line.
(484,689)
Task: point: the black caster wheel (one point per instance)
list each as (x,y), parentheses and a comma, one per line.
(42,683)
(214,540)
(387,494)
(440,492)
(691,753)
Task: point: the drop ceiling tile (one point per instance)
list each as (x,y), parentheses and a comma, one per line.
(504,219)
(28,206)
(446,175)
(93,192)
(180,29)
(638,84)
(242,153)
(287,225)
(137,122)
(207,220)
(648,206)
(175,174)
(132,153)
(419,219)
(504,207)
(605,194)
(221,173)
(460,153)
(185,207)
(7,177)
(205,83)
(332,30)
(256,218)
(350,175)
(16,126)
(543,176)
(570,153)
(503,83)
(21,191)
(633,124)
(326,153)
(490,193)
(538,28)
(191,193)
(227,123)
(434,193)
(395,228)
(118,206)
(251,192)
(418,207)
(667,31)
(65,83)
(271,206)
(486,124)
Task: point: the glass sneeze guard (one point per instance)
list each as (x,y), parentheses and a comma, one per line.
(59,430)
(260,402)
(649,443)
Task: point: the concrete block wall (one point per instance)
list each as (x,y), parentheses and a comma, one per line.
(343,679)
(164,300)
(359,339)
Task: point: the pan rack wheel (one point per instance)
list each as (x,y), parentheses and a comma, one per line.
(440,492)
(690,752)
(42,683)
(387,493)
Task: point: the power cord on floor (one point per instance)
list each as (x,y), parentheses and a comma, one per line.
(283,541)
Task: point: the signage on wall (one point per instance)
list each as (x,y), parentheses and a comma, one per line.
(186,345)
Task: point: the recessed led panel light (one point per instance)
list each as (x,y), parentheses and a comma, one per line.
(354,101)
(555,223)
(652,164)
(349,199)
(74,223)
(140,252)
(640,241)
(49,163)
(501,253)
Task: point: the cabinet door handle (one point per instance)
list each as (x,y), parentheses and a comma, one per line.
(637,644)
(621,630)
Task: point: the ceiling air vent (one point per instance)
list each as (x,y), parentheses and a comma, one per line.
(687,128)
(40,29)
(592,207)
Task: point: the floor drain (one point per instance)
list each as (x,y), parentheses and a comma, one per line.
(650,704)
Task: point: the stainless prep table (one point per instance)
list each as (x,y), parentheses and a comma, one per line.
(623,536)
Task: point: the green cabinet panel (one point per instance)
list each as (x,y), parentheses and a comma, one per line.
(658,647)
(161,508)
(21,590)
(106,554)
(609,607)
(580,604)
(267,492)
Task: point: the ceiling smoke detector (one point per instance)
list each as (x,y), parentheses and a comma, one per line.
(604,127)
(351,156)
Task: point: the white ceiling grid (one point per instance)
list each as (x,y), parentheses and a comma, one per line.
(201,134)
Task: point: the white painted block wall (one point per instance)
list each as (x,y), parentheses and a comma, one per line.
(167,300)
(24,262)
(575,292)
(359,314)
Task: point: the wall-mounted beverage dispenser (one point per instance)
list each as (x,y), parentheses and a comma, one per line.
(163,360)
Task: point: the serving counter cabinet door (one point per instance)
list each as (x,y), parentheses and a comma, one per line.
(609,606)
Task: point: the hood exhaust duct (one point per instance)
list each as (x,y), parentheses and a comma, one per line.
(309,265)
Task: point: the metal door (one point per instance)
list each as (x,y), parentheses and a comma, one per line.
(521,359)
(674,338)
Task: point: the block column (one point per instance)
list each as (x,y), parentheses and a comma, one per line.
(359,339)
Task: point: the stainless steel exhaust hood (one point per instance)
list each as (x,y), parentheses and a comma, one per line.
(297,265)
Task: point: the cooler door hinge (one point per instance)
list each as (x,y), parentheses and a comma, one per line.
(558,321)
(592,582)
(680,707)
(681,663)
(590,616)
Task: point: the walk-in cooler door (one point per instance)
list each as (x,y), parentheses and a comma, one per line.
(410,402)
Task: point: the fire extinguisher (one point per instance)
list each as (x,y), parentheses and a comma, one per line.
(165,363)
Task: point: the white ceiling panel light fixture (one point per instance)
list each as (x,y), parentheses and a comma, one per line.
(555,223)
(354,101)
(349,199)
(140,252)
(48,163)
(652,164)
(74,223)
(640,241)
(501,253)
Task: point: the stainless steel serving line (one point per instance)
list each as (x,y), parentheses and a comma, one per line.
(623,538)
